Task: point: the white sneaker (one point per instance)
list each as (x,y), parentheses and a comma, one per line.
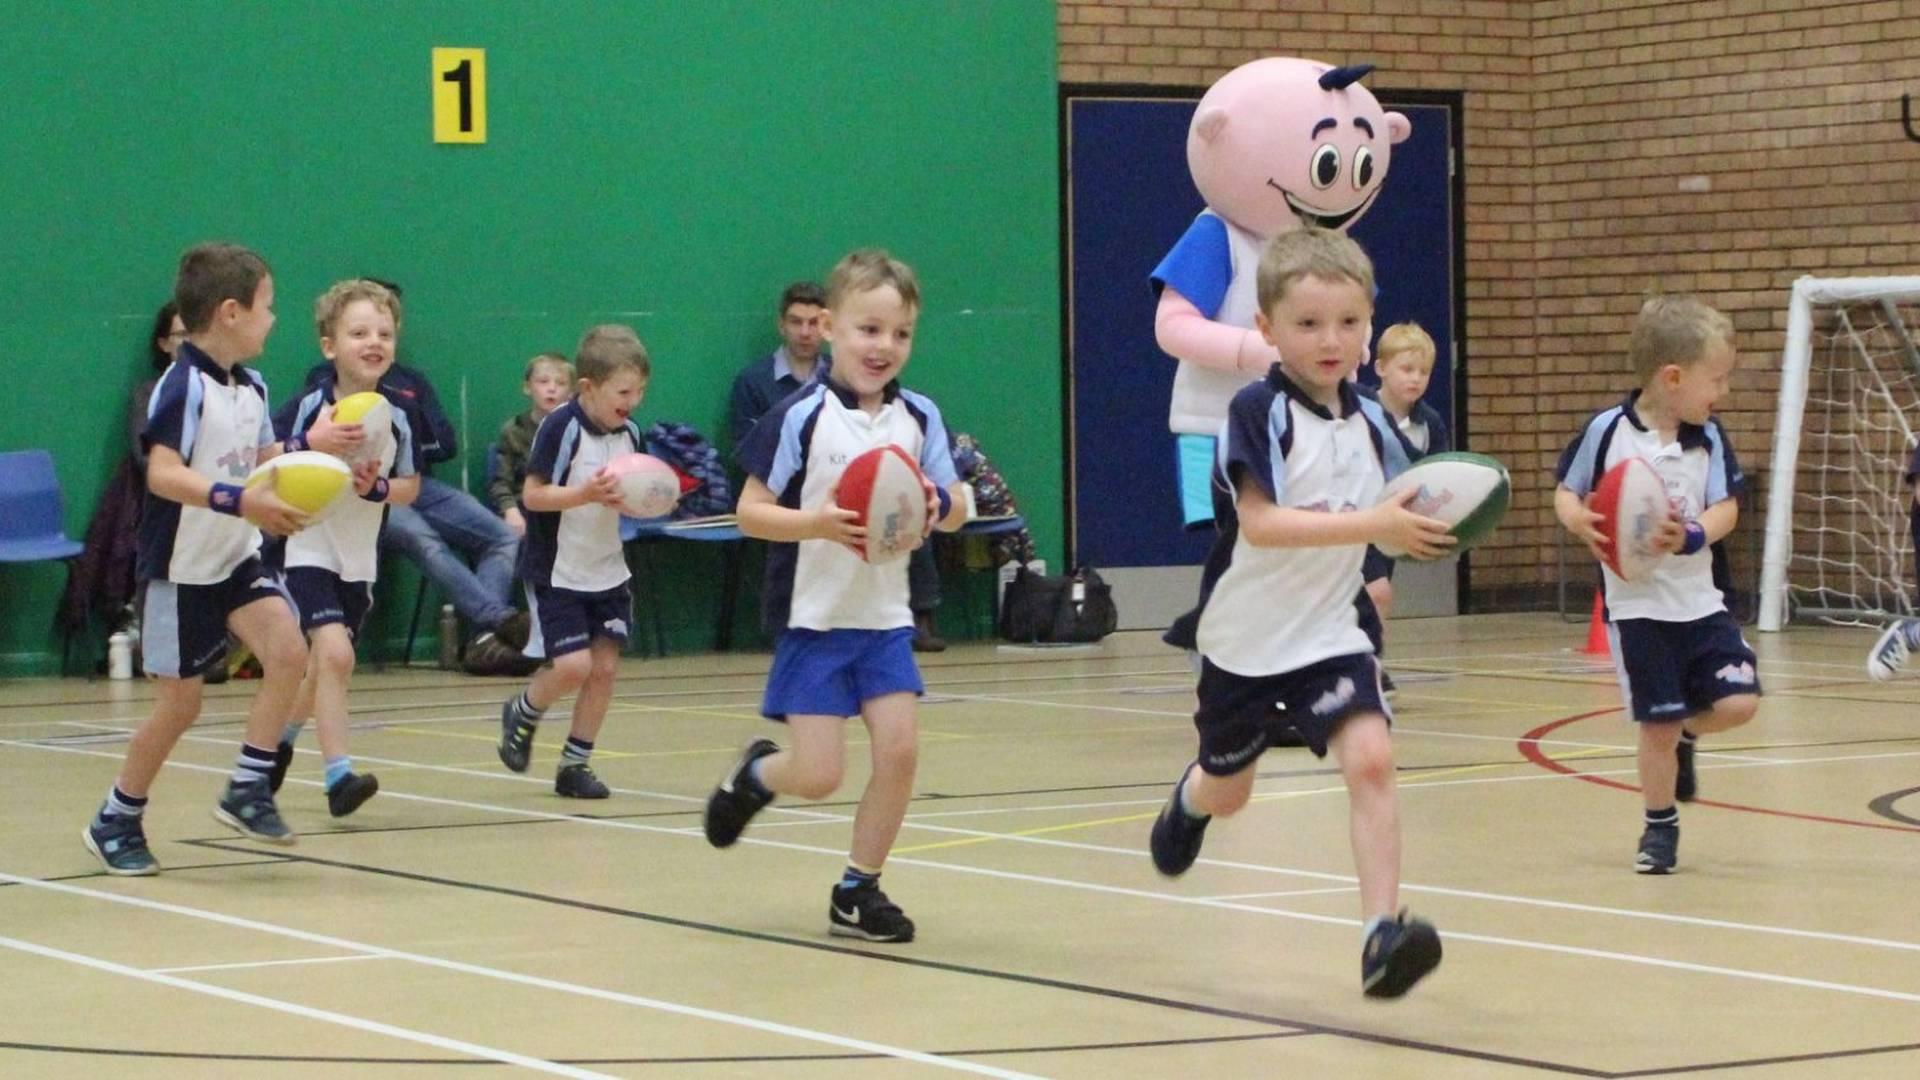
(1889,654)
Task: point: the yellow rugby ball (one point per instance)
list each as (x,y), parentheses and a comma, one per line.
(307,480)
(370,410)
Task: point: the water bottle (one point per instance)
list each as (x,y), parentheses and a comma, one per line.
(120,655)
(449,638)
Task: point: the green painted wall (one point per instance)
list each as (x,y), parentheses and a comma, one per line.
(667,164)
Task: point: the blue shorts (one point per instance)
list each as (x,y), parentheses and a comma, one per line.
(1671,670)
(566,621)
(1374,566)
(1239,715)
(183,628)
(320,597)
(832,672)
(1193,457)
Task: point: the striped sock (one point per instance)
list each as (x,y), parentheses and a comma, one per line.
(1664,819)
(523,705)
(856,878)
(1688,736)
(338,769)
(576,752)
(121,804)
(253,766)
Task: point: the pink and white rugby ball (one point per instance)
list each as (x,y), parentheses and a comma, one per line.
(885,488)
(649,488)
(1632,503)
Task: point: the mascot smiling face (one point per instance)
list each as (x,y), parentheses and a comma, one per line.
(1283,141)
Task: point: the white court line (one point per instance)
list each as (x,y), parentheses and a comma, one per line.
(263,963)
(442,1042)
(536,981)
(1289,892)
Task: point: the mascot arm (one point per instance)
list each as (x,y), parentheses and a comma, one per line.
(1191,337)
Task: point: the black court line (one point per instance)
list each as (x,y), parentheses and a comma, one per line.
(732,1059)
(167,869)
(1132,996)
(1884,806)
(1785,1059)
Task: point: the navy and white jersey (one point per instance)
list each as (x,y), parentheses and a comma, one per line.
(347,542)
(1699,469)
(576,549)
(216,419)
(1274,610)
(799,449)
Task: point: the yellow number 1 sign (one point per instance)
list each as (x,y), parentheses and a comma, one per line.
(459,95)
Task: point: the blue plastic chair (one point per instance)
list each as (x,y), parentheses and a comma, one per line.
(31,511)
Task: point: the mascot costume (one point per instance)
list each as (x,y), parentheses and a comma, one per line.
(1274,145)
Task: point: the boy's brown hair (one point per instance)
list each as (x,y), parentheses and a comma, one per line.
(868,269)
(1674,329)
(328,308)
(1311,252)
(210,275)
(606,349)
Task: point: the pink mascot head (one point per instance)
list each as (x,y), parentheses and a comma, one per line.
(1282,141)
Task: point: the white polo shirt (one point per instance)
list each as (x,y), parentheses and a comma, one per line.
(216,420)
(576,549)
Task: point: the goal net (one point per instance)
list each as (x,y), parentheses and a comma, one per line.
(1838,542)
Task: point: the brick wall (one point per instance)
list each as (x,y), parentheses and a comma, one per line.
(1582,119)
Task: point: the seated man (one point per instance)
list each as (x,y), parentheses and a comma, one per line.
(764,383)
(446,526)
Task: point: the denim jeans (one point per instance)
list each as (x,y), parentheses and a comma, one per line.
(441,526)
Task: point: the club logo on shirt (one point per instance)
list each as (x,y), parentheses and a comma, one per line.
(237,462)
(1336,698)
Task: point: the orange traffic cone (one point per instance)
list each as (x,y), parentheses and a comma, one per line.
(1597,629)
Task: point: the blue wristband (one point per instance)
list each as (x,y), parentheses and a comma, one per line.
(945,500)
(378,492)
(295,443)
(1696,538)
(225,499)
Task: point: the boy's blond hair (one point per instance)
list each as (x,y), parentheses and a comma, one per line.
(1674,329)
(608,348)
(1406,337)
(327,309)
(552,359)
(868,269)
(1311,252)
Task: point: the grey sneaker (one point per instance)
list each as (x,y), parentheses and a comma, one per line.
(576,781)
(516,736)
(1890,653)
(1659,850)
(1398,954)
(353,789)
(120,843)
(248,809)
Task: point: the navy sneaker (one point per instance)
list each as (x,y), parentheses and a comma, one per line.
(867,914)
(737,799)
(1659,850)
(248,809)
(353,789)
(576,781)
(1685,784)
(1889,653)
(120,843)
(282,761)
(1176,838)
(516,737)
(1398,954)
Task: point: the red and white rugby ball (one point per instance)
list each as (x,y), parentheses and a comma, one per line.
(885,488)
(1632,503)
(649,488)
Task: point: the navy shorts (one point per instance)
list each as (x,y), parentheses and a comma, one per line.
(1671,670)
(320,597)
(1375,565)
(183,628)
(566,621)
(1239,715)
(832,672)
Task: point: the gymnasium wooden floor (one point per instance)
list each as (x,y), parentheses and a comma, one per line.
(467,918)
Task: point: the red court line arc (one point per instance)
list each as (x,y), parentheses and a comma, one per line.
(1529,746)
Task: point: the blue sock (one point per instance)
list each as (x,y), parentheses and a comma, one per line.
(576,752)
(121,804)
(338,769)
(253,766)
(291,733)
(855,878)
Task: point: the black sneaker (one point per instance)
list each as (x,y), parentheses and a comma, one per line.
(1659,850)
(576,781)
(249,810)
(120,843)
(1685,784)
(867,914)
(736,800)
(1176,837)
(353,789)
(515,629)
(489,654)
(516,737)
(282,761)
(1397,955)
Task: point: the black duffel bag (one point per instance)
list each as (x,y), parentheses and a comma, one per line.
(1073,607)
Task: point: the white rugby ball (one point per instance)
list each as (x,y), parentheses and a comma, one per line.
(1467,491)
(884,486)
(1632,503)
(649,488)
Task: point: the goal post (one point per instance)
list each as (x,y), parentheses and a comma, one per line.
(1849,406)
